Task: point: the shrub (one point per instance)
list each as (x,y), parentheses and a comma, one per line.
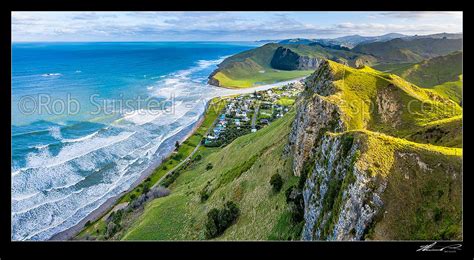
(112,228)
(204,195)
(219,220)
(209,166)
(145,189)
(297,213)
(294,198)
(276,181)
(158,192)
(347,142)
(136,203)
(198,157)
(178,157)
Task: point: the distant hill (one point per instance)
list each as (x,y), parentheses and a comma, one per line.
(353,40)
(437,36)
(267,41)
(297,41)
(415,50)
(435,71)
(277,62)
(346,41)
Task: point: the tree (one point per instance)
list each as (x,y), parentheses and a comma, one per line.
(219,220)
(276,181)
(176,145)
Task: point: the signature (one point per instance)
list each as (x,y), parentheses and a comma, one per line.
(433,248)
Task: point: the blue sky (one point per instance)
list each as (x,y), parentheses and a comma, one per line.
(223,26)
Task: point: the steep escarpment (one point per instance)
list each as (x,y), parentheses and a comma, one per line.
(352,142)
(277,62)
(286,59)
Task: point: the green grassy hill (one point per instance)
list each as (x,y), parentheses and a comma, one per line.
(452,90)
(434,71)
(241,173)
(388,146)
(267,64)
(443,74)
(411,50)
(422,199)
(242,170)
(397,143)
(385,102)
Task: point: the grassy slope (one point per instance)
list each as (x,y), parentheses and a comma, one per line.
(185,149)
(181,215)
(360,88)
(445,132)
(214,108)
(452,90)
(418,203)
(434,71)
(254,66)
(402,51)
(423,196)
(249,80)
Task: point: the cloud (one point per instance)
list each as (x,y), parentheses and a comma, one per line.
(220,25)
(420,14)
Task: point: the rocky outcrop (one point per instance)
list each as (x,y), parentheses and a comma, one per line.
(353,180)
(286,59)
(213,81)
(389,109)
(340,199)
(315,116)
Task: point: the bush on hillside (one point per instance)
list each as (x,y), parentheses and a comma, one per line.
(219,220)
(276,181)
(158,192)
(209,166)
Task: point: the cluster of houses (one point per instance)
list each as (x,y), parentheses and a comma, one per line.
(239,112)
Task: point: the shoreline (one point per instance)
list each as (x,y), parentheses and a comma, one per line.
(110,203)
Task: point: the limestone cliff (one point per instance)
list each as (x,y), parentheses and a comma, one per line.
(367,184)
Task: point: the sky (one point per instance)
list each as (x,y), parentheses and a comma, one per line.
(223,26)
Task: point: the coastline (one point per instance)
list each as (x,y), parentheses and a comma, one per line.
(110,203)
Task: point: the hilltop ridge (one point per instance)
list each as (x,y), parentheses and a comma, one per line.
(354,160)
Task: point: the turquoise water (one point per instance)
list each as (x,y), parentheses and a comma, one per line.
(80,133)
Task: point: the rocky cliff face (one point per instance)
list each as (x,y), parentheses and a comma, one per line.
(314,117)
(340,199)
(348,171)
(286,59)
(213,81)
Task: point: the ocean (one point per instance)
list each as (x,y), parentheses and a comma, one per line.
(89,118)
